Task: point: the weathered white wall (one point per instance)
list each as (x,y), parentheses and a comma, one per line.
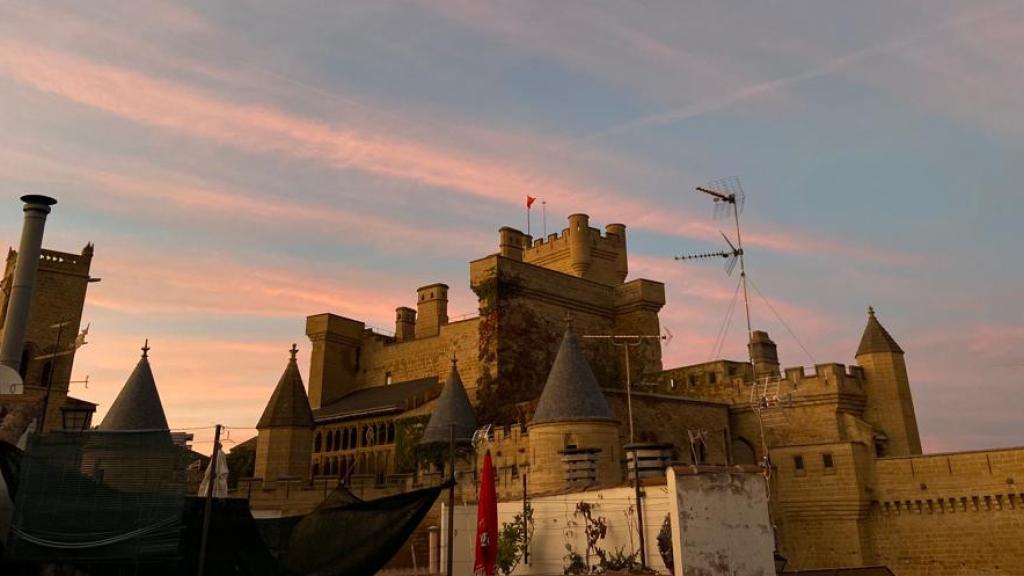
(723,525)
(556,525)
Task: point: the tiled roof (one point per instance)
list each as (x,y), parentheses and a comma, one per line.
(571,391)
(137,407)
(451,407)
(392,397)
(288,405)
(876,338)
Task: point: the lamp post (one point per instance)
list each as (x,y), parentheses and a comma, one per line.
(627,342)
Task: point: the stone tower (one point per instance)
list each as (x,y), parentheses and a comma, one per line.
(574,439)
(890,407)
(285,431)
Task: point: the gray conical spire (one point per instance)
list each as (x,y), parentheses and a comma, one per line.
(451,407)
(137,407)
(288,405)
(571,392)
(876,338)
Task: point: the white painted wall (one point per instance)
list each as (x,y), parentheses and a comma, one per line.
(556,525)
(723,524)
(719,520)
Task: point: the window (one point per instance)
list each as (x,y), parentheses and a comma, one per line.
(712,377)
(692,380)
(826,460)
(317,444)
(387,378)
(798,465)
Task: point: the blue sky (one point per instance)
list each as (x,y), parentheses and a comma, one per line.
(242,165)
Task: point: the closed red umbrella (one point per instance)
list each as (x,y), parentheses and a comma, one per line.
(486,523)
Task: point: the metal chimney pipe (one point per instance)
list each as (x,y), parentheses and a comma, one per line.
(36,209)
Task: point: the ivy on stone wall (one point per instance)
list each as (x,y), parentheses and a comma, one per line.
(517,346)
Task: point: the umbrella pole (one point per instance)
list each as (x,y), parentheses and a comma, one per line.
(451,501)
(209,501)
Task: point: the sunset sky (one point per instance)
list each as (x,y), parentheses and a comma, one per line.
(241,166)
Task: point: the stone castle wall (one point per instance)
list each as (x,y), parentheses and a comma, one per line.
(950,514)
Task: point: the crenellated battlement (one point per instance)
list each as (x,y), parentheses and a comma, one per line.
(579,250)
(56,261)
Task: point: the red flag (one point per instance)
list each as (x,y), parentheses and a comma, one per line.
(486,523)
(530,200)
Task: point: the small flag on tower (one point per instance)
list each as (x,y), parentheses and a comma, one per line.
(530,200)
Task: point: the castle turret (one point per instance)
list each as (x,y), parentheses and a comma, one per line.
(334,362)
(285,431)
(431,309)
(579,244)
(451,408)
(574,438)
(511,243)
(890,407)
(137,407)
(405,324)
(618,232)
(764,354)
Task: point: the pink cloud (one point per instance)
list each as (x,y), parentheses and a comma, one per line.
(259,129)
(161,191)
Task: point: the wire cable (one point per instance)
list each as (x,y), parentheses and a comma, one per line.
(781,321)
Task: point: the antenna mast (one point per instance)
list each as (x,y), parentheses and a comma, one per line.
(728,196)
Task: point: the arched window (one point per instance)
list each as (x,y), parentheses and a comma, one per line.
(316,468)
(317,444)
(391,432)
(337,439)
(743,452)
(344,440)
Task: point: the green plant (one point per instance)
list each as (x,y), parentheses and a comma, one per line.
(574,563)
(595,528)
(619,560)
(514,539)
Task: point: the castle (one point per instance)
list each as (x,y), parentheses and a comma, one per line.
(849,483)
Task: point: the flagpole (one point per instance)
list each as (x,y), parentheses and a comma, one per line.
(527,218)
(544,215)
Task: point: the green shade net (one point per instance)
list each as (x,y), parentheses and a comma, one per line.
(99,498)
(356,538)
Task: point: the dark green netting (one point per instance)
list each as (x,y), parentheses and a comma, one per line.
(356,538)
(99,497)
(10,466)
(113,503)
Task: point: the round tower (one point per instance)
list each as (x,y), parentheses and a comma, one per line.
(574,439)
(579,244)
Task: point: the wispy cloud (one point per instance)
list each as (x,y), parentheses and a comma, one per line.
(260,129)
(757,90)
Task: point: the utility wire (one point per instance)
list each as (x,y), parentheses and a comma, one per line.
(783,322)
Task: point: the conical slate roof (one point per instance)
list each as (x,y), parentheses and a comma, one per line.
(451,407)
(288,405)
(876,338)
(137,407)
(571,392)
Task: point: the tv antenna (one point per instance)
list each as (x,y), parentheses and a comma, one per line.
(728,196)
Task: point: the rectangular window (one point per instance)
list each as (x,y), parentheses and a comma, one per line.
(826,460)
(798,463)
(712,377)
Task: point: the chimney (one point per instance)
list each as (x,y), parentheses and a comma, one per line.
(764,354)
(36,209)
(405,324)
(431,309)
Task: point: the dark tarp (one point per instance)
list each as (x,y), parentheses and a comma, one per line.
(234,545)
(356,538)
